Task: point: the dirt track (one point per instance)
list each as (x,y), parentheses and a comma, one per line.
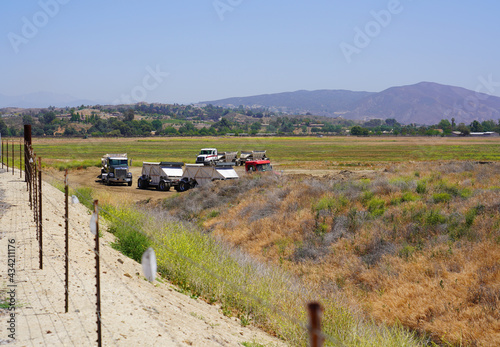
(88,178)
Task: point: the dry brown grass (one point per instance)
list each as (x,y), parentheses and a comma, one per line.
(433,266)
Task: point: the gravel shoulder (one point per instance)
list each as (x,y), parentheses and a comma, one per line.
(134,311)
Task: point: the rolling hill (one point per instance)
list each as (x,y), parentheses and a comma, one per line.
(421,103)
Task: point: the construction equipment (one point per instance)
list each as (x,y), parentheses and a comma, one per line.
(199,174)
(115,169)
(210,156)
(252,156)
(162,175)
(258,166)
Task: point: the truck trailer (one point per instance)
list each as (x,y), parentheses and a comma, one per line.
(162,175)
(199,174)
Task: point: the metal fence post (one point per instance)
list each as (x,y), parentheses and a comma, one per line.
(98,275)
(40,239)
(316,338)
(20,159)
(27,147)
(66,225)
(12,157)
(7,157)
(30,175)
(35,193)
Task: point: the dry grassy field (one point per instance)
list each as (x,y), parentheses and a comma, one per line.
(405,230)
(291,152)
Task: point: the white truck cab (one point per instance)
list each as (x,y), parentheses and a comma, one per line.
(208,156)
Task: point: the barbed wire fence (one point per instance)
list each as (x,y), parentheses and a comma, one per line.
(33,171)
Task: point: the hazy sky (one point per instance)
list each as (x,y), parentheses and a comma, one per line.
(194,50)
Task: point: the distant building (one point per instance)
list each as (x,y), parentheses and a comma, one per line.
(477,134)
(484,134)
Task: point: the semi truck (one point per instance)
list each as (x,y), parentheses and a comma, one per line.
(200,175)
(210,156)
(162,175)
(115,169)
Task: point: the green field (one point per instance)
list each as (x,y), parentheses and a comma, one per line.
(287,151)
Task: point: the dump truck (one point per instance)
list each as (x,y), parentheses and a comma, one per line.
(199,174)
(251,156)
(115,169)
(162,175)
(210,156)
(258,166)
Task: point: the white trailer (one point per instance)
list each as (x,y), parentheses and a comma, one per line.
(162,175)
(199,174)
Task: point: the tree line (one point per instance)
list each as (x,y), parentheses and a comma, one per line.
(182,120)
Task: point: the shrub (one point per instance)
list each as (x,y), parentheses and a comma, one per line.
(434,218)
(403,183)
(406,252)
(408,196)
(126,225)
(421,187)
(376,207)
(465,193)
(446,187)
(441,197)
(333,203)
(367,196)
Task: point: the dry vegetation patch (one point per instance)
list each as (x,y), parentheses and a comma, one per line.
(418,243)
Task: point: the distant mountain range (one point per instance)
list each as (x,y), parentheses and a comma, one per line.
(422,103)
(42,100)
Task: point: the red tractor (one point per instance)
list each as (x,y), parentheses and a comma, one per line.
(258,165)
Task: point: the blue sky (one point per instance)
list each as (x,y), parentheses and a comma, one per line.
(188,51)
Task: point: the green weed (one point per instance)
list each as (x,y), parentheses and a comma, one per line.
(441,197)
(421,187)
(376,207)
(406,252)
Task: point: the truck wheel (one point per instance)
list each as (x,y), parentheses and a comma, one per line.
(163,186)
(140,183)
(129,183)
(183,186)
